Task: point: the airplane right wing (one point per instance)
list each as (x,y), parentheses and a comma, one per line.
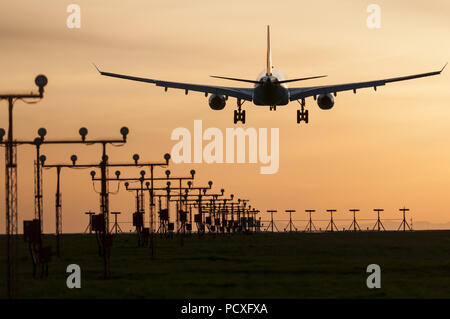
(239,93)
(304,92)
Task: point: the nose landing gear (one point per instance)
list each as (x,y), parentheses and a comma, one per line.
(302,114)
(239,114)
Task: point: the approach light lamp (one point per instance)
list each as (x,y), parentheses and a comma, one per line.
(136,158)
(117,174)
(147,184)
(41,81)
(74,158)
(127,184)
(142,173)
(92,174)
(83,132)
(192,172)
(204,191)
(210,184)
(168,173)
(42,132)
(222,191)
(167,157)
(42,158)
(189,184)
(37,141)
(124,131)
(2,134)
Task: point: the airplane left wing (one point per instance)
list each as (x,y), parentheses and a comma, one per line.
(301,93)
(239,93)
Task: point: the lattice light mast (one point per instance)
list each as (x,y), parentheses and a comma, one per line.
(11,182)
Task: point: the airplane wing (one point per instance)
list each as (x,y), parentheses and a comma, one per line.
(304,92)
(239,93)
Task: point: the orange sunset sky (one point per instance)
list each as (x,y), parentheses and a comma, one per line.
(385,149)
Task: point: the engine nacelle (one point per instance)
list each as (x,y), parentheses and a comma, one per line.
(217,102)
(325,101)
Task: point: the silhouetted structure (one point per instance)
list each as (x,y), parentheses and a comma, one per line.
(290,225)
(354,223)
(404,223)
(11,183)
(40,163)
(378,224)
(309,227)
(116,227)
(89,226)
(271,223)
(331,225)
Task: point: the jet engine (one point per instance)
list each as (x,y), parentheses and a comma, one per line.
(325,101)
(217,102)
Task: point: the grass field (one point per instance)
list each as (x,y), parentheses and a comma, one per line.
(264,265)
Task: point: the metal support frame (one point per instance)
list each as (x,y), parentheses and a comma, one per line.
(11,216)
(116,227)
(331,225)
(404,223)
(378,224)
(290,224)
(309,227)
(89,226)
(354,223)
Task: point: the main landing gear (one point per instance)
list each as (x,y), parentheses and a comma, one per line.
(302,114)
(239,114)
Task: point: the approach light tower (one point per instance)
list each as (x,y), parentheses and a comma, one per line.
(11,180)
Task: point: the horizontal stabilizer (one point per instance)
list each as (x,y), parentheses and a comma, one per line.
(235,79)
(303,79)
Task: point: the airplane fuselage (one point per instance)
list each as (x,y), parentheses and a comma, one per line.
(269,91)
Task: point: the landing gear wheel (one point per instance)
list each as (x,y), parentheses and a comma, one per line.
(239,116)
(302,116)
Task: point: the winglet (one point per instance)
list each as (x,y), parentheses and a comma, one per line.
(96,68)
(443,67)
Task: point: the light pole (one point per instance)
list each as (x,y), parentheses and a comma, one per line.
(40,163)
(290,224)
(310,224)
(354,224)
(378,224)
(331,225)
(404,222)
(11,184)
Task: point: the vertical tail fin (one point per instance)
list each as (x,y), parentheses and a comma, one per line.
(269,54)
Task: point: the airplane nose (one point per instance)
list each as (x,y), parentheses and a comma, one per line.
(267,80)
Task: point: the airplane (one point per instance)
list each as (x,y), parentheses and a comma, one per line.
(270,89)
